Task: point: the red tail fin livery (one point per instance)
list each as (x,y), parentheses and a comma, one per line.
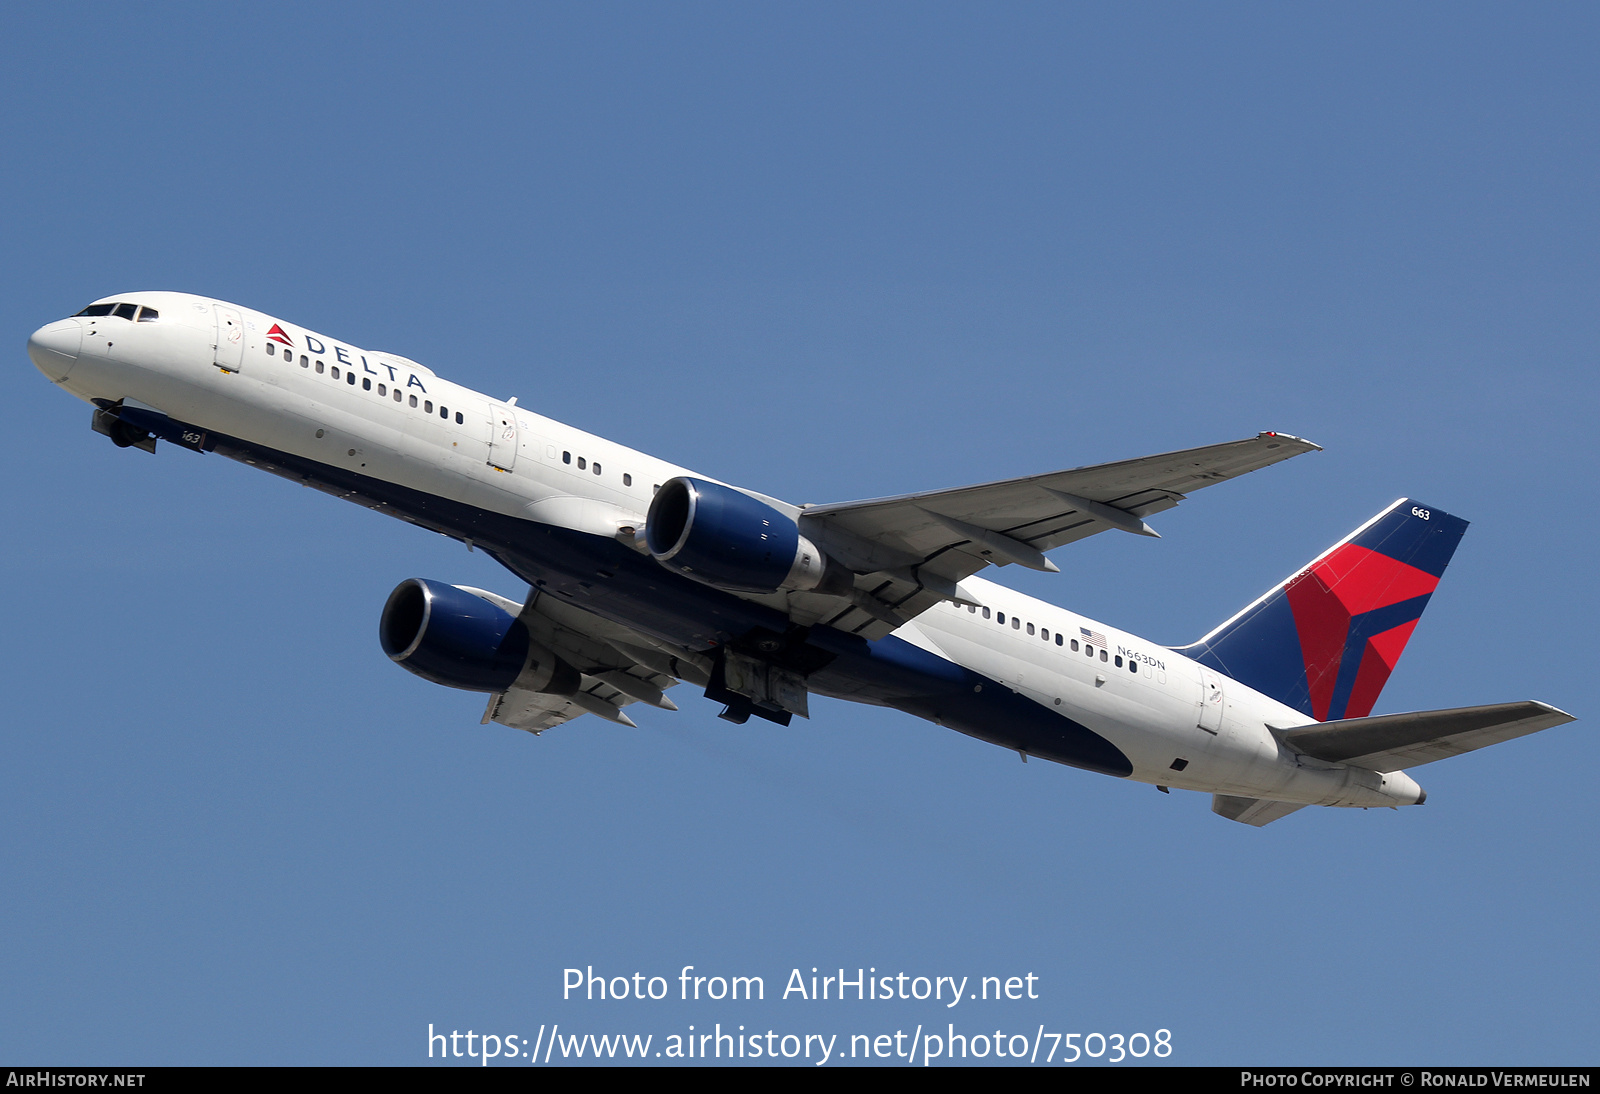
(1325,640)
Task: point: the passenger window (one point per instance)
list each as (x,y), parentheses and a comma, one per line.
(1030,628)
(627,479)
(597,469)
(270,347)
(1133,666)
(350,378)
(444,411)
(1119,660)
(459,419)
(427,406)
(335,371)
(1000,617)
(413,400)
(583,464)
(566,457)
(305,362)
(1058,639)
(1044,633)
(1102,655)
(1074,645)
(366,382)
(319,370)
(986,613)
(383,389)
(126,311)
(398,395)
(148,314)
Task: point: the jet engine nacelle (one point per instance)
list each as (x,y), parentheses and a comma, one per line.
(725,538)
(456,638)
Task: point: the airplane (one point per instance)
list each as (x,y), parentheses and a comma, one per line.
(643,574)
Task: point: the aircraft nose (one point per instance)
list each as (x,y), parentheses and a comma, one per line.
(54,347)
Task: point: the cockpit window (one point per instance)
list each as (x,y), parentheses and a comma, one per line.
(122,311)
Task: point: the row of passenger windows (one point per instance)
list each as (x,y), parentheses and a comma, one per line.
(585,465)
(123,311)
(366,383)
(1073,644)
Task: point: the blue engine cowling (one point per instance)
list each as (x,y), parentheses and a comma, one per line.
(458,639)
(726,538)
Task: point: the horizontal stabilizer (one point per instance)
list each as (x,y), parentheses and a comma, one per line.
(1391,742)
(1254,811)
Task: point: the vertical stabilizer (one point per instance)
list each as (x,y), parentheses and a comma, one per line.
(1326,640)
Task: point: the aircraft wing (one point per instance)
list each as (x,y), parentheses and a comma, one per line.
(618,666)
(1391,742)
(530,710)
(1253,811)
(912,551)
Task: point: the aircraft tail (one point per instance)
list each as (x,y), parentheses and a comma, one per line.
(1326,640)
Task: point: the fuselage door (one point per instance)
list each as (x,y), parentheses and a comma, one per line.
(502,436)
(229,338)
(1211,701)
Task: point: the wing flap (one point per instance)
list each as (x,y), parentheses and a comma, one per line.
(1391,742)
(618,666)
(1252,811)
(532,711)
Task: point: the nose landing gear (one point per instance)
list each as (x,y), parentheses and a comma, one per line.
(121,433)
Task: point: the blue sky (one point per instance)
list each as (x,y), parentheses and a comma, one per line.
(829,252)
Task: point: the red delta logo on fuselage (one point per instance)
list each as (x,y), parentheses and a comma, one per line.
(344,357)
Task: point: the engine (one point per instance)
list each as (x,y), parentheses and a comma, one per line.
(453,637)
(725,538)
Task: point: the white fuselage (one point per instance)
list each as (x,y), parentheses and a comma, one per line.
(1179,723)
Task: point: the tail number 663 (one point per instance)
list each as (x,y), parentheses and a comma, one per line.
(1423,513)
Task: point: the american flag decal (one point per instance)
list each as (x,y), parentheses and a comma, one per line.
(1092,636)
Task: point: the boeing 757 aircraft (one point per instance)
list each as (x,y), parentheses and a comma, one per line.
(643,574)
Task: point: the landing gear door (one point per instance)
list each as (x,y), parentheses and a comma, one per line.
(502,436)
(229,346)
(1211,700)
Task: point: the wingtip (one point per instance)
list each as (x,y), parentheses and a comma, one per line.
(1290,438)
(1556,712)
